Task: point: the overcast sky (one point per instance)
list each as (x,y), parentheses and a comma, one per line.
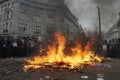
(86,12)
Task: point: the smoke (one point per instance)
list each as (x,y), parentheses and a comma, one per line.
(87,14)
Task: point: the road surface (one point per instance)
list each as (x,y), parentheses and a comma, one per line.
(11,69)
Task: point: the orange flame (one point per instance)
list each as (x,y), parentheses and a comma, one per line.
(55,56)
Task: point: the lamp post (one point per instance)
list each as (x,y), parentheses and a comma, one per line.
(119,26)
(100,35)
(99,18)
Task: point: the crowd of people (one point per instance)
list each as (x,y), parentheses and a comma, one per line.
(111,48)
(29,46)
(18,47)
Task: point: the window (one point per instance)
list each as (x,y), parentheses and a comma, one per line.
(12,4)
(1,8)
(9,5)
(37,30)
(50,20)
(5,28)
(0,17)
(10,25)
(50,30)
(39,10)
(24,14)
(37,18)
(0,28)
(11,14)
(7,15)
(6,25)
(4,16)
(22,29)
(50,13)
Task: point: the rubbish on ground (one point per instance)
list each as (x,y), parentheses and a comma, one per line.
(8,72)
(106,65)
(108,59)
(100,79)
(47,77)
(84,77)
(81,69)
(100,76)
(103,65)
(41,78)
(54,79)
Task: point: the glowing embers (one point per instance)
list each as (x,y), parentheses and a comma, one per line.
(55,56)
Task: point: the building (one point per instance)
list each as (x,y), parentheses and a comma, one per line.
(113,32)
(41,18)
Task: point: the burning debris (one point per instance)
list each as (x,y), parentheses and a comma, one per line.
(12,69)
(55,56)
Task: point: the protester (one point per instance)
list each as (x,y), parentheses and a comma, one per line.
(1,47)
(15,47)
(114,48)
(27,46)
(105,48)
(18,47)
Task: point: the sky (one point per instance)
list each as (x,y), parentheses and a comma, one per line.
(87,13)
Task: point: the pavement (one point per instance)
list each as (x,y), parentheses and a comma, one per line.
(12,69)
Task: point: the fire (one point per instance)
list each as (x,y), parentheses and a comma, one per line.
(55,56)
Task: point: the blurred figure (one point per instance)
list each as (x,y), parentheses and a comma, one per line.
(9,47)
(105,48)
(119,48)
(2,42)
(110,49)
(15,48)
(20,44)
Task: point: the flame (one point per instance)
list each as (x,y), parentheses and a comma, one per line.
(55,56)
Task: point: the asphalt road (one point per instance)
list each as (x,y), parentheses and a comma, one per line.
(11,69)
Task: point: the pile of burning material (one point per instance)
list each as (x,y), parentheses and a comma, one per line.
(55,56)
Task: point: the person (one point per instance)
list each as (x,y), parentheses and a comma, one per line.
(105,49)
(15,48)
(116,48)
(20,44)
(1,47)
(119,48)
(32,45)
(9,47)
(110,48)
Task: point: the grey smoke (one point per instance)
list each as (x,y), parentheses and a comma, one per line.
(86,12)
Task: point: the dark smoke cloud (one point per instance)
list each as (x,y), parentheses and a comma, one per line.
(86,12)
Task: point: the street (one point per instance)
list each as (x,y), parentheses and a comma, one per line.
(12,69)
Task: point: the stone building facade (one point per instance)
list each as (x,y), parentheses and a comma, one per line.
(114,31)
(41,18)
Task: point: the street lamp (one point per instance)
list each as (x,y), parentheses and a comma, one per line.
(118,24)
(99,18)
(100,35)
